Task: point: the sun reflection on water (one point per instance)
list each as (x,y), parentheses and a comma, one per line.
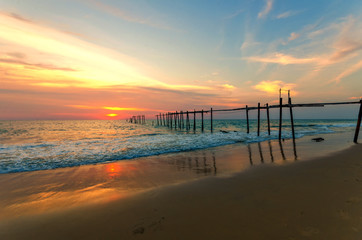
(113,169)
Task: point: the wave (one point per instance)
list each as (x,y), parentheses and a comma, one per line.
(75,152)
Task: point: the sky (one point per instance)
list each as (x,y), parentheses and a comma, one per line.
(108,59)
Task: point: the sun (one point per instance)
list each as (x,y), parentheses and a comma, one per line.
(112,115)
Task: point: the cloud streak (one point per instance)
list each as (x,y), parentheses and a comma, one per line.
(267,8)
(272,87)
(354,68)
(114,11)
(280,58)
(286,14)
(36,65)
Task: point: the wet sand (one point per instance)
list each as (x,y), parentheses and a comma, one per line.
(262,191)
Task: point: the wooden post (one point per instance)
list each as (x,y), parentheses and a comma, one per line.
(291,116)
(169,120)
(247,119)
(175,120)
(358,123)
(211,120)
(194,120)
(280,117)
(268,119)
(187,121)
(271,151)
(179,120)
(166,119)
(258,119)
(202,120)
(157,120)
(171,114)
(295,151)
(182,120)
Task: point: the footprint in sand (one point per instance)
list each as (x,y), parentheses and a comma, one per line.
(309,231)
(344,214)
(152,224)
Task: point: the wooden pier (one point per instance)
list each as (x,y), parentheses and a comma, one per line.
(140,119)
(175,120)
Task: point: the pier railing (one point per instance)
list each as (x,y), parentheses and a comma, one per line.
(140,119)
(182,119)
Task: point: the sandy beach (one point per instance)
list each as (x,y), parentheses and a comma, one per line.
(260,191)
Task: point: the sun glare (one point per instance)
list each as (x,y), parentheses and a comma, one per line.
(112,115)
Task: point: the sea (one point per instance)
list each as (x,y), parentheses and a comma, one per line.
(39,145)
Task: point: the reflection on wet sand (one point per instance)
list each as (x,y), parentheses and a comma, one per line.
(50,190)
(281,150)
(272,153)
(261,153)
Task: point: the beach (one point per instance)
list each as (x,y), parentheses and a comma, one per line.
(267,190)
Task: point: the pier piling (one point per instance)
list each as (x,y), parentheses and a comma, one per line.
(211,126)
(202,120)
(355,139)
(280,117)
(268,118)
(247,119)
(194,120)
(291,115)
(258,119)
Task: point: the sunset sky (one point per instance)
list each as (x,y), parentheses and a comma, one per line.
(108,59)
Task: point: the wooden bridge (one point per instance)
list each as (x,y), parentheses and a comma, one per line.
(181,119)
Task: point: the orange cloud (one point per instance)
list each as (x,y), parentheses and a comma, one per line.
(283,59)
(82,107)
(95,65)
(107,108)
(228,86)
(112,115)
(44,55)
(272,87)
(348,71)
(123,109)
(355,98)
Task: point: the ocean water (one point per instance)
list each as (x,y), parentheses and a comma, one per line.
(40,145)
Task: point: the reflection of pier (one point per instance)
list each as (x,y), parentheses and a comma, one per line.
(199,164)
(258,153)
(280,149)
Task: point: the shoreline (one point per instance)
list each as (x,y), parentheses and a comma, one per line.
(37,192)
(224,180)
